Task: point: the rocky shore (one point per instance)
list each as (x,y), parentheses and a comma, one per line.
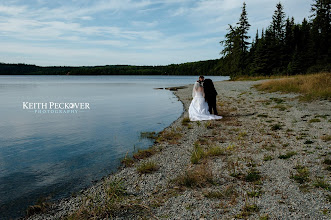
(268,158)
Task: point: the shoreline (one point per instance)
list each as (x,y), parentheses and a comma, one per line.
(261,144)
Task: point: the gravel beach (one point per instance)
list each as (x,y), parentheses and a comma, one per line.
(268,158)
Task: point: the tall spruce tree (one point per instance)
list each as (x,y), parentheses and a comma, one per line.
(236,44)
(277,28)
(243,27)
(278,22)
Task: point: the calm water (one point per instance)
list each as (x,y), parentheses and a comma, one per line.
(54,154)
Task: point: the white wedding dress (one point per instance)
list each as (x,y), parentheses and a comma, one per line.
(198,110)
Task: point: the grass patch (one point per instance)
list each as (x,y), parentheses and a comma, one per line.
(248,210)
(254,193)
(302,174)
(227,193)
(287,155)
(215,151)
(309,142)
(142,154)
(280,107)
(253,175)
(94,207)
(277,100)
(186,121)
(200,176)
(267,158)
(326,137)
(312,87)
(197,154)
(321,183)
(148,135)
(242,134)
(327,161)
(253,78)
(41,206)
(172,137)
(314,120)
(276,127)
(127,161)
(147,167)
(264,217)
(322,116)
(210,125)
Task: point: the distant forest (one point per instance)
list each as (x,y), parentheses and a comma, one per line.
(194,68)
(283,48)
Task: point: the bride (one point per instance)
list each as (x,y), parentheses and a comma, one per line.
(198,110)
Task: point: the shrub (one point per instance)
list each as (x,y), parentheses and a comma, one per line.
(287,155)
(302,174)
(142,154)
(147,167)
(200,176)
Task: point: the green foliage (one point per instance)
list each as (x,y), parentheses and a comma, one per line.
(276,127)
(207,67)
(287,155)
(302,174)
(227,193)
(147,167)
(127,161)
(314,120)
(186,121)
(327,161)
(142,154)
(248,210)
(282,48)
(321,183)
(200,176)
(197,154)
(148,135)
(267,158)
(253,175)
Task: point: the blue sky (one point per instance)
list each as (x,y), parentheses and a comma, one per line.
(135,32)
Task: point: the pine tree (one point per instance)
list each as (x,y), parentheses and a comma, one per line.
(277,29)
(278,22)
(243,27)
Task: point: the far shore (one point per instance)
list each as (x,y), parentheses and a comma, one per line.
(268,158)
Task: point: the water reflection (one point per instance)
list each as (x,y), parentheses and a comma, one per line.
(57,154)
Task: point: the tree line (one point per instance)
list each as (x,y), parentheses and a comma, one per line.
(284,47)
(207,67)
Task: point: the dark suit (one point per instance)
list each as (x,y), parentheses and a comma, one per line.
(210,95)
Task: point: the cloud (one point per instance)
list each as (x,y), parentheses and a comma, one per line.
(157,31)
(12,10)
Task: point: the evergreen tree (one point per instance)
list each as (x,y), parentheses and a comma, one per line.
(321,31)
(236,45)
(277,29)
(278,22)
(243,27)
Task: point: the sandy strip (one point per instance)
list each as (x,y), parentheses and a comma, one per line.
(273,164)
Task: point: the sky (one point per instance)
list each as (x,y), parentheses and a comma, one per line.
(133,32)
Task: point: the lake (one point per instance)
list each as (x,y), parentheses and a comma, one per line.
(60,133)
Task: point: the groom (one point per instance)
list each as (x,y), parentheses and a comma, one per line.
(210,94)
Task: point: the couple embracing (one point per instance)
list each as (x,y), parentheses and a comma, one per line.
(204,101)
